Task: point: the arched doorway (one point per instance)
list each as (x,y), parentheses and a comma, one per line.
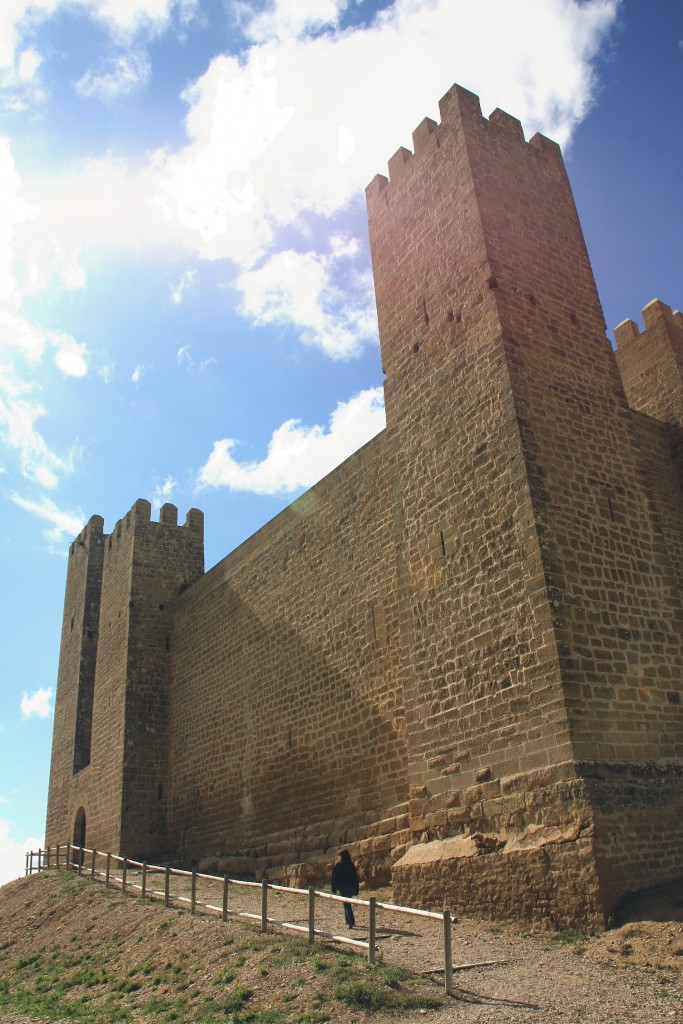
(79,836)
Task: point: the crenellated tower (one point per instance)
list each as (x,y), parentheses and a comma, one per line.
(109,763)
(530,558)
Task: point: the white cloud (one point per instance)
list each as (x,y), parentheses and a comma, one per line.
(70,357)
(186,281)
(28,63)
(298,456)
(119,76)
(269,154)
(162,492)
(37,704)
(284,136)
(18,416)
(13,851)
(136,375)
(305,290)
(284,19)
(64,526)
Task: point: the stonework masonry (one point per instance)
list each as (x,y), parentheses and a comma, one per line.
(461,653)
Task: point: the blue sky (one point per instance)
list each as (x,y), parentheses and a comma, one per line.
(186,307)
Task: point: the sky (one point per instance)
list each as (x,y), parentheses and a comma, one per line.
(186,304)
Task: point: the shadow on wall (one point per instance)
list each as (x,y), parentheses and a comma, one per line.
(270,733)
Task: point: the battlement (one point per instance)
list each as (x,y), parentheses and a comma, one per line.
(651,362)
(140,515)
(654,313)
(92,531)
(459,109)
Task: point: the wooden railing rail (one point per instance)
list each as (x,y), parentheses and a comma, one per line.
(101,866)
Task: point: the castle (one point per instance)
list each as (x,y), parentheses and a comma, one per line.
(461,653)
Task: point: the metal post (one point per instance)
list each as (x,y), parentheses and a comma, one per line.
(372,930)
(26,868)
(144,879)
(311,913)
(193,891)
(124,872)
(447,954)
(92,865)
(264,905)
(226,882)
(108,871)
(167,887)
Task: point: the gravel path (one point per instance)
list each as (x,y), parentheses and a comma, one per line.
(534,977)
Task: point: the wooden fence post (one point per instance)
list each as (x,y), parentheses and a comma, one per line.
(124,872)
(372,929)
(108,870)
(47,853)
(92,865)
(311,913)
(144,879)
(57,856)
(26,868)
(226,882)
(447,954)
(193,891)
(167,887)
(264,905)
(81,858)
(68,856)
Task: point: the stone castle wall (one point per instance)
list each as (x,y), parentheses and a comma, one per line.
(287,719)
(460,654)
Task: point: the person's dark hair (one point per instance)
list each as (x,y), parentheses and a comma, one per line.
(345,856)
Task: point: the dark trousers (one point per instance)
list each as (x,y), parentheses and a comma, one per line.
(348,909)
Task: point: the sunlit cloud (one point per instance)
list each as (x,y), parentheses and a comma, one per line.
(285,19)
(118,76)
(186,281)
(13,850)
(163,492)
(37,704)
(298,455)
(70,358)
(19,413)
(271,162)
(63,526)
(137,374)
(309,291)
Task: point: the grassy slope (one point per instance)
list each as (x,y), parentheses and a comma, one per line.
(72,950)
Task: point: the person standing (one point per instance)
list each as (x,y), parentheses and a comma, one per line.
(345,882)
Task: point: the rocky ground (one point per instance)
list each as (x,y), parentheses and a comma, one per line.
(72,950)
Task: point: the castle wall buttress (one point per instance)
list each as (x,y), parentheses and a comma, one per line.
(534,565)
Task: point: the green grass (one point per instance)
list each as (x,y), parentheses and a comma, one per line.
(91,976)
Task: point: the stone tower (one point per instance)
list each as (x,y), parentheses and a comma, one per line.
(109,767)
(541,614)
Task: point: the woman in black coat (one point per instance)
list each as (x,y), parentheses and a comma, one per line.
(345,882)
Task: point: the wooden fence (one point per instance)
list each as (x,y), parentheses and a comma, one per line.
(117,872)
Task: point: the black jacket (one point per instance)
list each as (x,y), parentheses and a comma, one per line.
(345,876)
